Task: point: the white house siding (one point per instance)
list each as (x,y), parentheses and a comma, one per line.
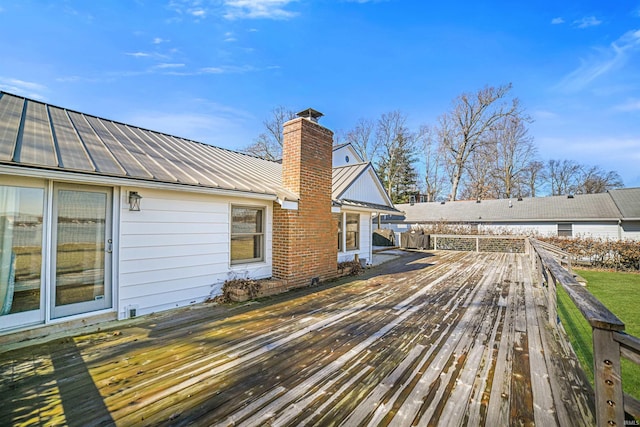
(365,249)
(365,188)
(526,228)
(175,250)
(601,230)
(596,230)
(343,153)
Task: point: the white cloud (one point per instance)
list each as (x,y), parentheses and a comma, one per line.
(169,65)
(223,69)
(200,120)
(258,9)
(151,55)
(587,21)
(212,70)
(233,9)
(138,54)
(158,40)
(629,106)
(558,20)
(544,115)
(603,62)
(24,88)
(227,69)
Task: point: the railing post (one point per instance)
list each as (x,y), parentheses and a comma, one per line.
(552,302)
(435,243)
(477,244)
(607,379)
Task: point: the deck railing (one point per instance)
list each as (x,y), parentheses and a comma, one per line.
(479,243)
(610,343)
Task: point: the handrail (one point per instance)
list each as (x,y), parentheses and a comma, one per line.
(609,342)
(561,255)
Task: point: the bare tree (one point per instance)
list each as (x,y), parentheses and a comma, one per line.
(465,128)
(268,145)
(434,169)
(563,176)
(514,152)
(362,137)
(595,180)
(480,183)
(534,173)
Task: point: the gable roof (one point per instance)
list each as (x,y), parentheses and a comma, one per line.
(37,135)
(628,202)
(344,154)
(344,177)
(611,206)
(350,183)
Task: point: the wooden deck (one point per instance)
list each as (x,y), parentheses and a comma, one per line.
(446,338)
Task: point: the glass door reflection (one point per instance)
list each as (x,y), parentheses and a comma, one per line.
(82,253)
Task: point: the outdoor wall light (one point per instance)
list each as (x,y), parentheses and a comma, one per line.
(134,201)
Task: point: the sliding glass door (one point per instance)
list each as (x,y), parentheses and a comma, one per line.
(81,250)
(21,232)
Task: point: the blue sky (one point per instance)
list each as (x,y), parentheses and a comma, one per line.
(213,70)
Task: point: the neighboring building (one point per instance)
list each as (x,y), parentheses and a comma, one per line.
(611,215)
(102,220)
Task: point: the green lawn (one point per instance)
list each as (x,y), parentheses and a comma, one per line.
(620,292)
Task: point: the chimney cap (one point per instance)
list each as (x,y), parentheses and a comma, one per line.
(310,114)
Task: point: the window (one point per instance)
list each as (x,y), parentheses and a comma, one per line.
(21,211)
(340,233)
(353,231)
(565,229)
(247,234)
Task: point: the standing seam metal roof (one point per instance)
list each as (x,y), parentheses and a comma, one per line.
(344,177)
(34,134)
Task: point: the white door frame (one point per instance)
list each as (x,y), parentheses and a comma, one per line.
(101,302)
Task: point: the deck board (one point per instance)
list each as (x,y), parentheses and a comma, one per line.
(444,338)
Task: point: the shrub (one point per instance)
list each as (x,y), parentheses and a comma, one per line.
(353,267)
(601,253)
(251,286)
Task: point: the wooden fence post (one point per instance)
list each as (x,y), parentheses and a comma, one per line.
(607,379)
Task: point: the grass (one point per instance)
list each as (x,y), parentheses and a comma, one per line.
(620,293)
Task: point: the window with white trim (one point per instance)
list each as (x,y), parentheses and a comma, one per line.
(247,234)
(340,225)
(352,231)
(565,229)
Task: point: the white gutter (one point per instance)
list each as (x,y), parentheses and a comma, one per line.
(287,204)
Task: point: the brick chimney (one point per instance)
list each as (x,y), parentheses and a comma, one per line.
(305,241)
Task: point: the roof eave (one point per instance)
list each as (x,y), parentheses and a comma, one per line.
(66,175)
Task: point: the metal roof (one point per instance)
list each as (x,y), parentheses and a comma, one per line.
(346,176)
(38,135)
(383,209)
(581,207)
